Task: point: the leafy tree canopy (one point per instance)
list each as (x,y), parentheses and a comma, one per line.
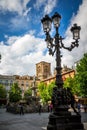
(81,75)
(45,91)
(15,93)
(78,84)
(73,85)
(3,92)
(27,93)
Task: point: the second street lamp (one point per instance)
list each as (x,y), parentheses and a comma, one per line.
(61,118)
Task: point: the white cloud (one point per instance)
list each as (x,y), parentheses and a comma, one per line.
(18,6)
(77,53)
(26,12)
(49,6)
(21,18)
(39,3)
(11,40)
(18,23)
(21,55)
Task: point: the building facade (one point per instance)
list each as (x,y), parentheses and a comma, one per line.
(24,82)
(27,82)
(43,74)
(66,73)
(7,81)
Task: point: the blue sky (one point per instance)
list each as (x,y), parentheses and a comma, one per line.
(22,42)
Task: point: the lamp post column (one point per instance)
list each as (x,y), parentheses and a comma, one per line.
(59,81)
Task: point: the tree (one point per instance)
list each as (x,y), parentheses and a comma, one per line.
(27,93)
(78,84)
(42,91)
(3,92)
(73,85)
(50,88)
(45,91)
(15,93)
(81,75)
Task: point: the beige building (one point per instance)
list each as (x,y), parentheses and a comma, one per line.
(7,81)
(27,82)
(43,70)
(24,82)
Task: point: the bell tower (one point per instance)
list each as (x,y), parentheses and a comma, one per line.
(43,70)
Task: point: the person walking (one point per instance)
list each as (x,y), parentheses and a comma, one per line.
(78,106)
(51,107)
(21,109)
(84,106)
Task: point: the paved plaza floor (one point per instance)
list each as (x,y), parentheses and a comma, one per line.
(32,121)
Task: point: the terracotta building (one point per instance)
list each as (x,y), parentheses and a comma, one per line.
(66,72)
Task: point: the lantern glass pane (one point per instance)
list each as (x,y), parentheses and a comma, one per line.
(47,26)
(75,34)
(56,21)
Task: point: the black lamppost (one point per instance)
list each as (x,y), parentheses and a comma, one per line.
(61,118)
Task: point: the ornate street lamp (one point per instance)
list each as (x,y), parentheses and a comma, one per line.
(61,118)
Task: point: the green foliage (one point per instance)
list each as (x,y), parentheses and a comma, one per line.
(78,84)
(27,93)
(72,84)
(50,88)
(82,75)
(3,92)
(15,93)
(45,91)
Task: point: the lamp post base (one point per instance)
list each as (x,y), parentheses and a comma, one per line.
(64,121)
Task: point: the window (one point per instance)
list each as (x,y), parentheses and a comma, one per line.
(27,83)
(46,68)
(39,69)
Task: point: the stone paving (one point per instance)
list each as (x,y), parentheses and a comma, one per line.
(32,121)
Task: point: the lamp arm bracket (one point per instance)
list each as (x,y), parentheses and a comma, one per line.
(62,46)
(73,45)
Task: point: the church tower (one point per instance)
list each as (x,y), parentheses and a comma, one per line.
(43,70)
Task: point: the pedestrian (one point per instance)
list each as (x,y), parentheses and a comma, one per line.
(51,107)
(78,106)
(85,108)
(40,108)
(7,106)
(21,109)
